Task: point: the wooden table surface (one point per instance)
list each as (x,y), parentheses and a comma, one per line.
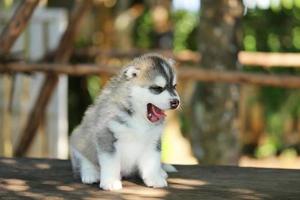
(52,179)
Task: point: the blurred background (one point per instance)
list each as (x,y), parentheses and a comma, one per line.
(218,123)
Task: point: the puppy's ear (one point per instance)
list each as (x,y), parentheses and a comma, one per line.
(171,61)
(131,72)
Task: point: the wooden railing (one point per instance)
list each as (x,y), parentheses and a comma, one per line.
(184,72)
(266,59)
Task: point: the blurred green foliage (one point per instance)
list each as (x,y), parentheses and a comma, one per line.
(185,24)
(143,34)
(276,29)
(7,4)
(93,86)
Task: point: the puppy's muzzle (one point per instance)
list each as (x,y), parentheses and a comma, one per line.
(174,103)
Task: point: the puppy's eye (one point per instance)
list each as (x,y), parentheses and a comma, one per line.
(157,89)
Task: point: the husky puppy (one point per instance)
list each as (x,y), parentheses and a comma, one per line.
(120,134)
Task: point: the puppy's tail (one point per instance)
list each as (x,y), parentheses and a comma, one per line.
(169,168)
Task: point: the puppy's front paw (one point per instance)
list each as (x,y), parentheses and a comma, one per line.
(89,177)
(156,181)
(111,185)
(163,173)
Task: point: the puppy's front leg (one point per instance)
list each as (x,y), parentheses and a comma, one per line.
(110,175)
(151,171)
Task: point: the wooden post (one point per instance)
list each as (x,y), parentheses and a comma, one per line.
(62,55)
(214,107)
(16,25)
(8,36)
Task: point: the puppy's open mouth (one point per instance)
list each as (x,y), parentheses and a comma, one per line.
(154,113)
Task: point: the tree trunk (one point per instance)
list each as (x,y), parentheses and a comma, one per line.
(214,106)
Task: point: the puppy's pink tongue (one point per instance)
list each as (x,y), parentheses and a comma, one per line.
(154,113)
(158,112)
(153,118)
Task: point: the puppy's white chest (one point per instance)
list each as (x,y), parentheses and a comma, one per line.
(129,151)
(132,142)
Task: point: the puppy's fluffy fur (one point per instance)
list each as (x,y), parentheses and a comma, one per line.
(120,134)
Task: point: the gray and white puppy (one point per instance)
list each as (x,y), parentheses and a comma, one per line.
(120,134)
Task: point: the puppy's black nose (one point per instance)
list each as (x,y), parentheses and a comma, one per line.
(174,103)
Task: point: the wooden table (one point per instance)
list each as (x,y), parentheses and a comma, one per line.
(52,179)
